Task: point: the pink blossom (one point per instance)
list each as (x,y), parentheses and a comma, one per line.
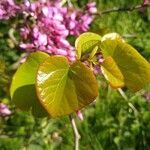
(26,46)
(8,9)
(80,115)
(42,39)
(91,7)
(4,110)
(50,26)
(53,23)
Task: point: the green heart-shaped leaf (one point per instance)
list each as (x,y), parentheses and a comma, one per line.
(63,88)
(134,68)
(86,42)
(22,91)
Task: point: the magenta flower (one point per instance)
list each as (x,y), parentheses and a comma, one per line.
(53,23)
(8,9)
(80,115)
(91,8)
(50,26)
(4,110)
(79,21)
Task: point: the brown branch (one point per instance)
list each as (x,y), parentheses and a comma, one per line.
(75,132)
(112,10)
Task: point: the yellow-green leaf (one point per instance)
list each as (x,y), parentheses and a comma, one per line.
(94,51)
(23,92)
(112,36)
(112,73)
(134,68)
(86,42)
(63,88)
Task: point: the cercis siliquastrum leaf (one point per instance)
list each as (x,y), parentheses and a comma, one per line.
(122,65)
(86,43)
(112,73)
(53,85)
(23,91)
(63,88)
(125,60)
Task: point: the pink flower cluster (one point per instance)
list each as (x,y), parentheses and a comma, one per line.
(8,9)
(52,25)
(78,21)
(47,24)
(4,110)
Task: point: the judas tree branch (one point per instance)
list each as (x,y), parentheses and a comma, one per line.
(75,132)
(129,103)
(112,10)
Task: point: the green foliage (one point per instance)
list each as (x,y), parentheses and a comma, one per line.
(63,88)
(110,123)
(113,125)
(2,66)
(8,143)
(132,25)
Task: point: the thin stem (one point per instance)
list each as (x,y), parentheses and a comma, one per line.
(123,94)
(75,132)
(129,103)
(129,36)
(112,10)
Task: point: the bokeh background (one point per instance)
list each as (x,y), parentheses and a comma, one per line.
(109,124)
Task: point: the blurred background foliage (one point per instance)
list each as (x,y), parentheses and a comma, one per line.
(110,123)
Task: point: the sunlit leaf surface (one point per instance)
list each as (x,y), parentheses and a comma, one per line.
(63,88)
(86,42)
(22,90)
(134,68)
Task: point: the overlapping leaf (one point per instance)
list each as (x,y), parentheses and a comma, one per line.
(23,91)
(63,88)
(86,42)
(112,73)
(127,61)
